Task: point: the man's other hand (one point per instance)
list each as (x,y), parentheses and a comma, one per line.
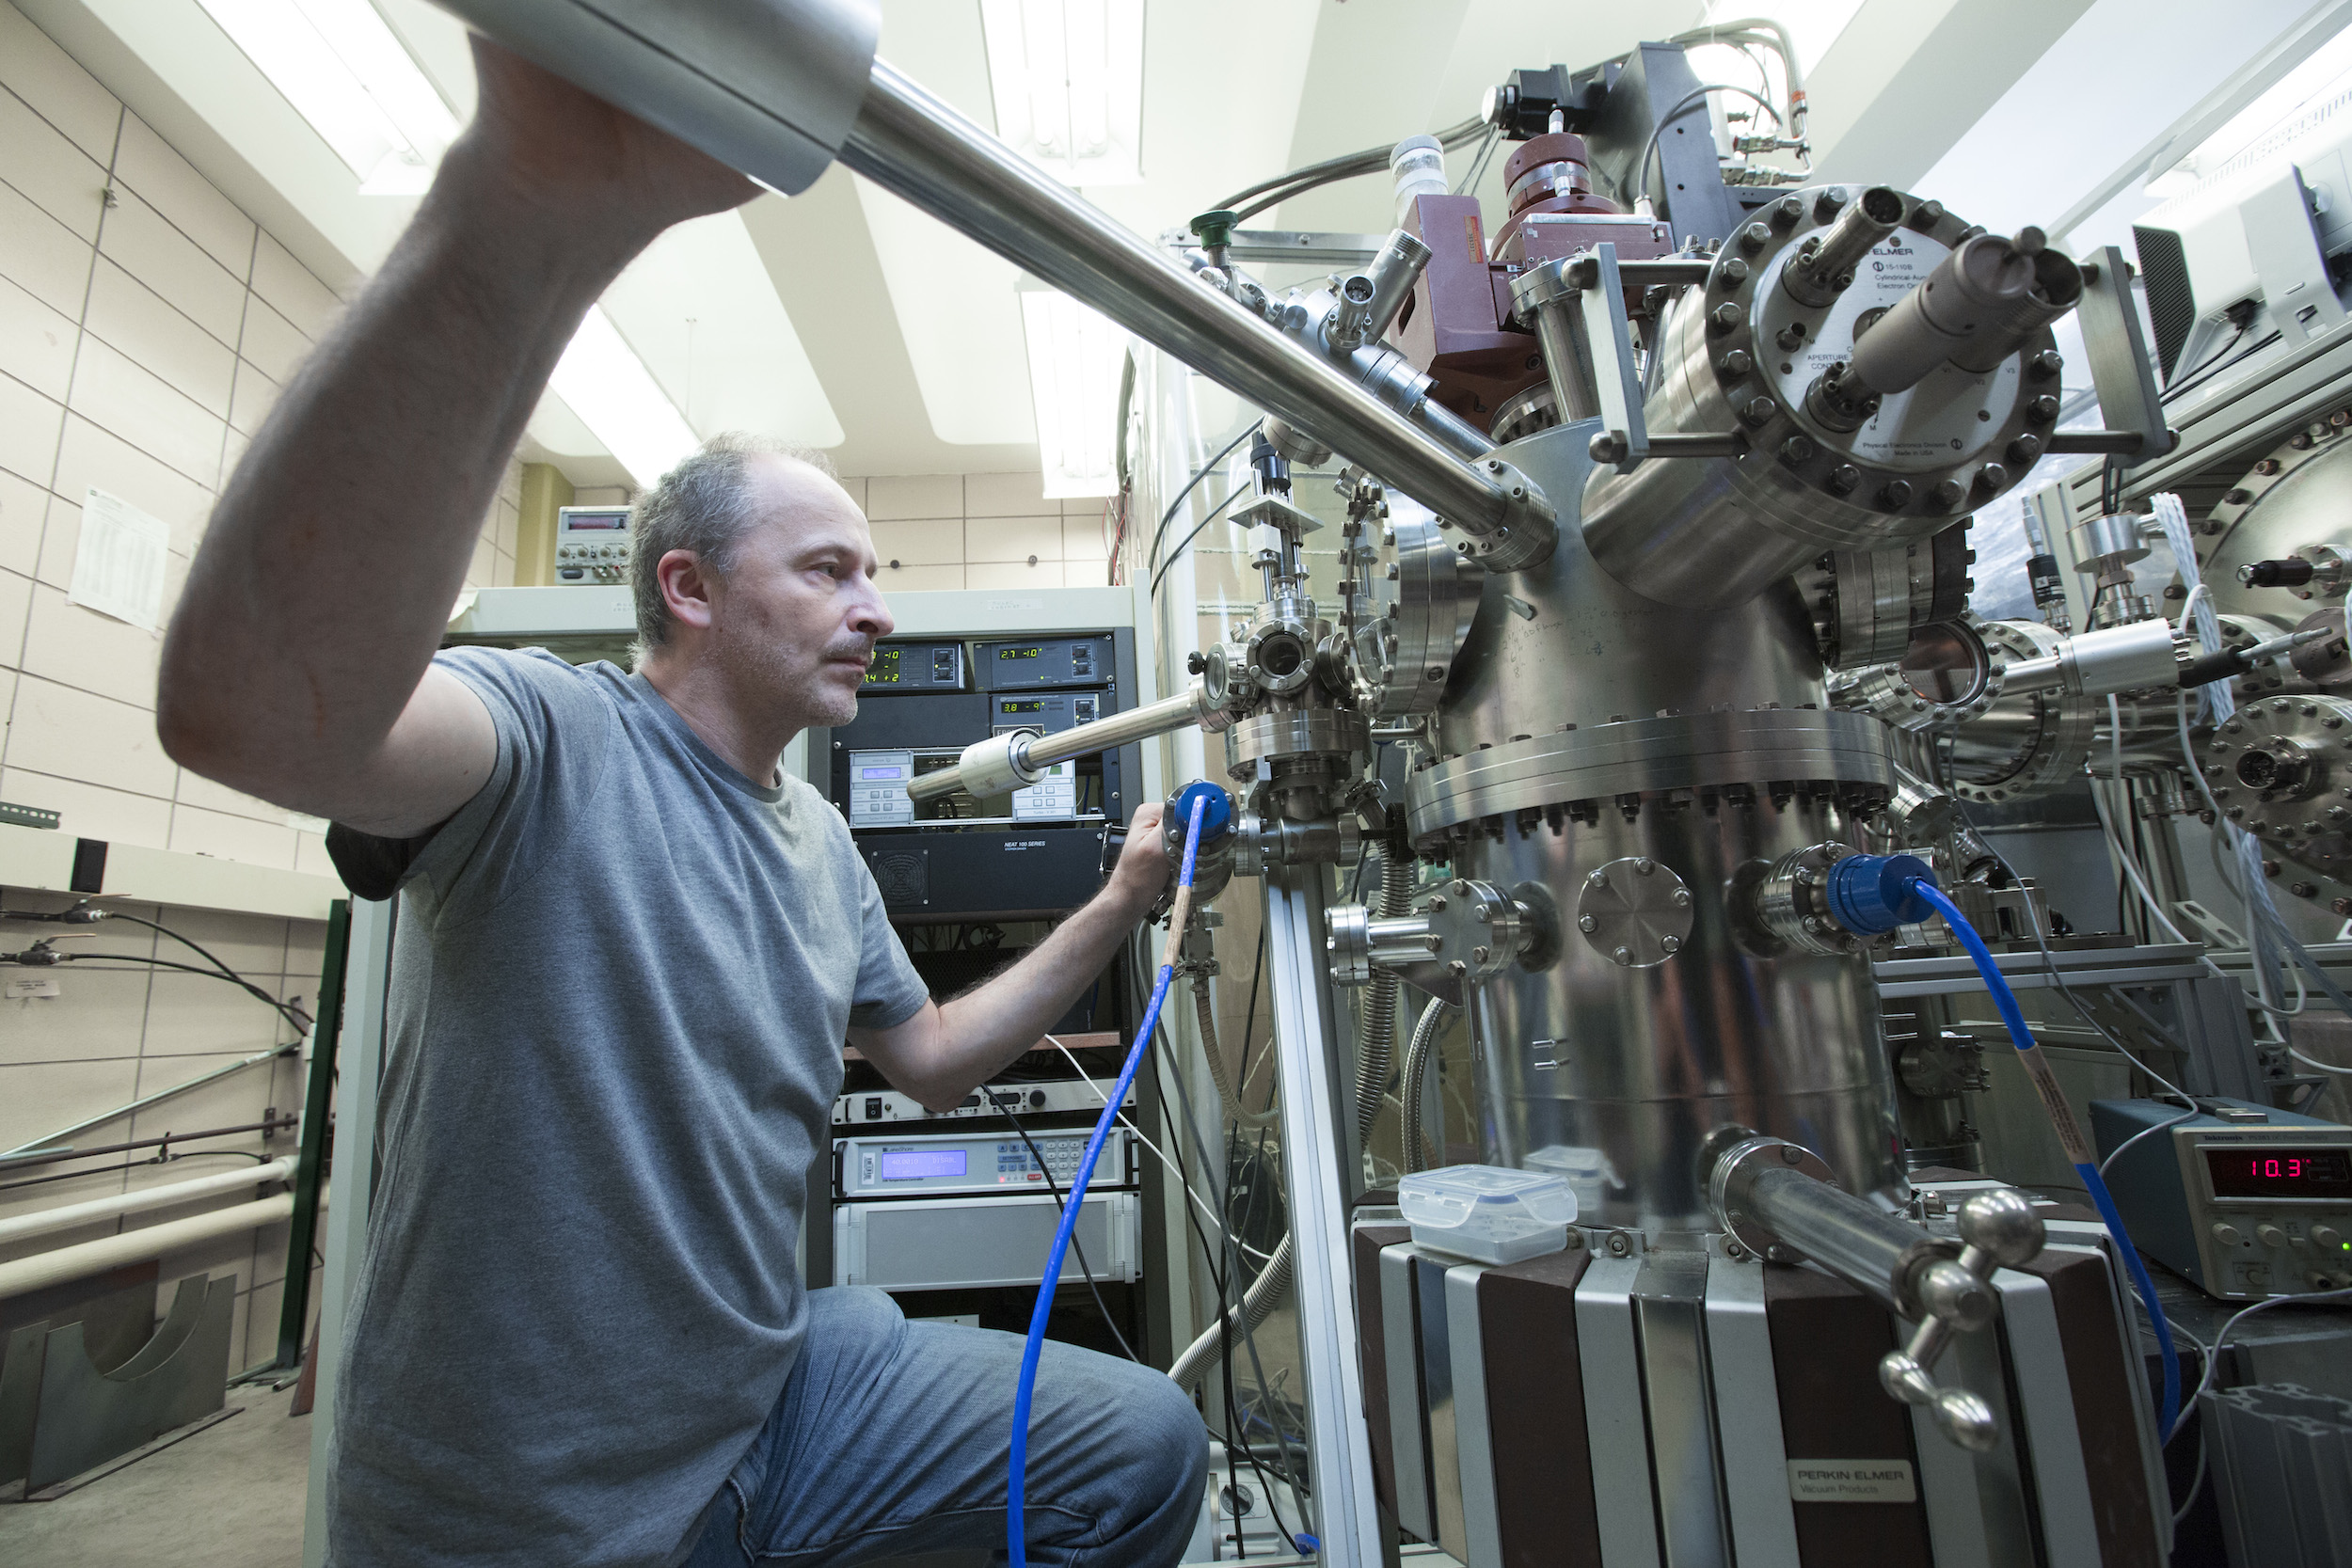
(556,147)
(1143,866)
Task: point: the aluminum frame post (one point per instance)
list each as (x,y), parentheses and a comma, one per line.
(367,988)
(1317,1144)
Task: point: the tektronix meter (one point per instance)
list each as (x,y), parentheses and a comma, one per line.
(2246,1201)
(592,544)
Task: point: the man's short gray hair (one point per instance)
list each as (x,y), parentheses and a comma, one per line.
(703,505)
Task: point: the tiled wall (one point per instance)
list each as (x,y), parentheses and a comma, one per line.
(145,326)
(120,1030)
(980,530)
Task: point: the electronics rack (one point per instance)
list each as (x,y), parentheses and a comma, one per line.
(1033,854)
(952,875)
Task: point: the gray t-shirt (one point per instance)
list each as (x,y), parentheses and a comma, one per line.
(620,986)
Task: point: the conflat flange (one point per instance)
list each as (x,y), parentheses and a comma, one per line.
(1635,911)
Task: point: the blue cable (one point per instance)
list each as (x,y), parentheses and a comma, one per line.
(2006,1000)
(1016,1545)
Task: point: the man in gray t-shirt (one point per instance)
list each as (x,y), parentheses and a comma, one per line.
(629,951)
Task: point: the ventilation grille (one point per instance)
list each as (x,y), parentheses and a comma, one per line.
(2172,302)
(904,876)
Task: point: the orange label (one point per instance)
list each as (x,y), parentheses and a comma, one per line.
(1469,231)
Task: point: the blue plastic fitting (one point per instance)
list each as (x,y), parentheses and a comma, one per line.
(1216,818)
(1871,895)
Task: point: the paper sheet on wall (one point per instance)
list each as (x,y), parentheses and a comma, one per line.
(119,565)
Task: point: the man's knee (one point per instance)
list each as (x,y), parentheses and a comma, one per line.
(1167,1447)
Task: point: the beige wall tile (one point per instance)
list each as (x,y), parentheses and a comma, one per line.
(1086,574)
(35,342)
(59,90)
(41,255)
(856,487)
(175,266)
(92,653)
(1082,506)
(254,396)
(90,456)
(213,1022)
(919,543)
(1005,496)
(97,1013)
(197,790)
(28,431)
(75,734)
(16,603)
(36,1101)
(134,319)
(915,496)
(290,287)
(149,165)
(311,856)
(919,580)
(22,504)
(125,399)
(509,524)
(272,342)
(1012,539)
(90,811)
(482,571)
(252,944)
(1086,538)
(38,159)
(232,838)
(996,574)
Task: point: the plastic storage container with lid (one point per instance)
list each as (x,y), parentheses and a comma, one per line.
(1488,1213)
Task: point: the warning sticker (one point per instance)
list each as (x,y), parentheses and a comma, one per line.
(1851,1480)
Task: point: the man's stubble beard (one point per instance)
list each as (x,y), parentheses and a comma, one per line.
(799,691)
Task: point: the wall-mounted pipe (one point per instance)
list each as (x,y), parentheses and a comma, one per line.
(44,1268)
(44,1222)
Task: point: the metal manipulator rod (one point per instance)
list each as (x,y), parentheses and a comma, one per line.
(1778,1200)
(779,89)
(1019,759)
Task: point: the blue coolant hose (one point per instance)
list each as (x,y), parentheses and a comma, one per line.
(2070,1134)
(1016,1546)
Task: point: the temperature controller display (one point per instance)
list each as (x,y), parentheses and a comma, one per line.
(884,670)
(1018,652)
(2274,1172)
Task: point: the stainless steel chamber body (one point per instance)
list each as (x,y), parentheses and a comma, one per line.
(1587,731)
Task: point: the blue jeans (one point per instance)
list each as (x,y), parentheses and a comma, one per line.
(892,1438)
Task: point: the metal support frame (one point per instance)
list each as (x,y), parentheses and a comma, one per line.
(1318,1163)
(369,971)
(310,1169)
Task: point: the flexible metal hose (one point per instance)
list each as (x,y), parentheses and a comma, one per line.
(1434,1019)
(1376,1058)
(1272,1283)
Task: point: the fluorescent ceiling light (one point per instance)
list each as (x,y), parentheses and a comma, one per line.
(1067,79)
(604,382)
(2325,74)
(344,72)
(1073,378)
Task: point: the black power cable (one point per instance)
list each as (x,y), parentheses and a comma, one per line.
(1159,536)
(998,1103)
(1348,166)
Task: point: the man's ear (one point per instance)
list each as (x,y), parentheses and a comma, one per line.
(685,588)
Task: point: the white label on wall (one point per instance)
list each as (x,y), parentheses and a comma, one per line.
(1851,1480)
(118,565)
(30,985)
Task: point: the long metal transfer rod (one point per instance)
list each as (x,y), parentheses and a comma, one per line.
(1015,759)
(911,144)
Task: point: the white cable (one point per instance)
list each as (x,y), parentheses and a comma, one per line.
(2115,840)
(2161,1127)
(2197,597)
(2321,1065)
(2213,1357)
(1198,1202)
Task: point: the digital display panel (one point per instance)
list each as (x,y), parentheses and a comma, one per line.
(884,670)
(1018,652)
(2273,1171)
(881,773)
(916,1164)
(1009,705)
(615,522)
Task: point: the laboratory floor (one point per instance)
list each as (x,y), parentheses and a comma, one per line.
(231,1496)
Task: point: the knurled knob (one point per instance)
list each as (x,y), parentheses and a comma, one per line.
(2269,1234)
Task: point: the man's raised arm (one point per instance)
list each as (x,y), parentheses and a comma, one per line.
(296,667)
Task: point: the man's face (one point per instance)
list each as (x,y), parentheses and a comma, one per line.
(795,622)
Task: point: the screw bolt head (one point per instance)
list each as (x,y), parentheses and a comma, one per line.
(2025,450)
(1723,317)
(1947,492)
(2045,366)
(1760,411)
(1586,923)
(1670,946)
(1843,478)
(1735,364)
(1895,494)
(1829,203)
(1796,450)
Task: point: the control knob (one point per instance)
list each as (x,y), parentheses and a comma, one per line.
(2269,1234)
